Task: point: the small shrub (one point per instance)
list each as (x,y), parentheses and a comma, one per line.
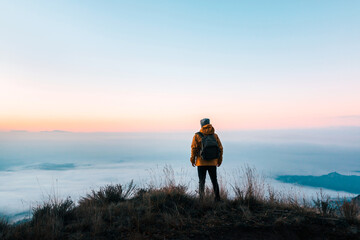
(172,200)
(53,209)
(4,227)
(49,219)
(348,209)
(108,194)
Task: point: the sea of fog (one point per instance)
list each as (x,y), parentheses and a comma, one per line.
(34,166)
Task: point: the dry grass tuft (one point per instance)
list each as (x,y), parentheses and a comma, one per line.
(251,190)
(323,204)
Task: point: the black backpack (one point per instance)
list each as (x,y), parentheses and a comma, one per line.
(209,147)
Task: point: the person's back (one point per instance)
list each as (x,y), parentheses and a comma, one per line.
(203,164)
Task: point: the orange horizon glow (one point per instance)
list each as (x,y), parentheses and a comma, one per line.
(153,125)
(111,109)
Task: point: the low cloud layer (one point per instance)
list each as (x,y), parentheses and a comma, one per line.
(34,166)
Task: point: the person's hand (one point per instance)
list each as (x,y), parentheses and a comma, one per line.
(193,164)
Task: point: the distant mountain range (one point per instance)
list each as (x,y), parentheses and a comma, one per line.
(56,131)
(333,181)
(51,131)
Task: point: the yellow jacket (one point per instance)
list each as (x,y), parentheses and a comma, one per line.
(196,146)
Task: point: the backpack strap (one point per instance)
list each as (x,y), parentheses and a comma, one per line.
(200,134)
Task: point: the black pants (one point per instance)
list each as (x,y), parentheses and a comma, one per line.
(202,175)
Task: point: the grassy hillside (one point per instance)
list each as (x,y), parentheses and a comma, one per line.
(172,212)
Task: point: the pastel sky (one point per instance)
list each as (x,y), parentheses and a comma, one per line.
(164,65)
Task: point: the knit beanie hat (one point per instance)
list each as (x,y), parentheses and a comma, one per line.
(204,121)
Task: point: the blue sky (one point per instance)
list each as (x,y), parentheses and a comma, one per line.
(291,60)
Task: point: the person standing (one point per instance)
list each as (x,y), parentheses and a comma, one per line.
(207,155)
